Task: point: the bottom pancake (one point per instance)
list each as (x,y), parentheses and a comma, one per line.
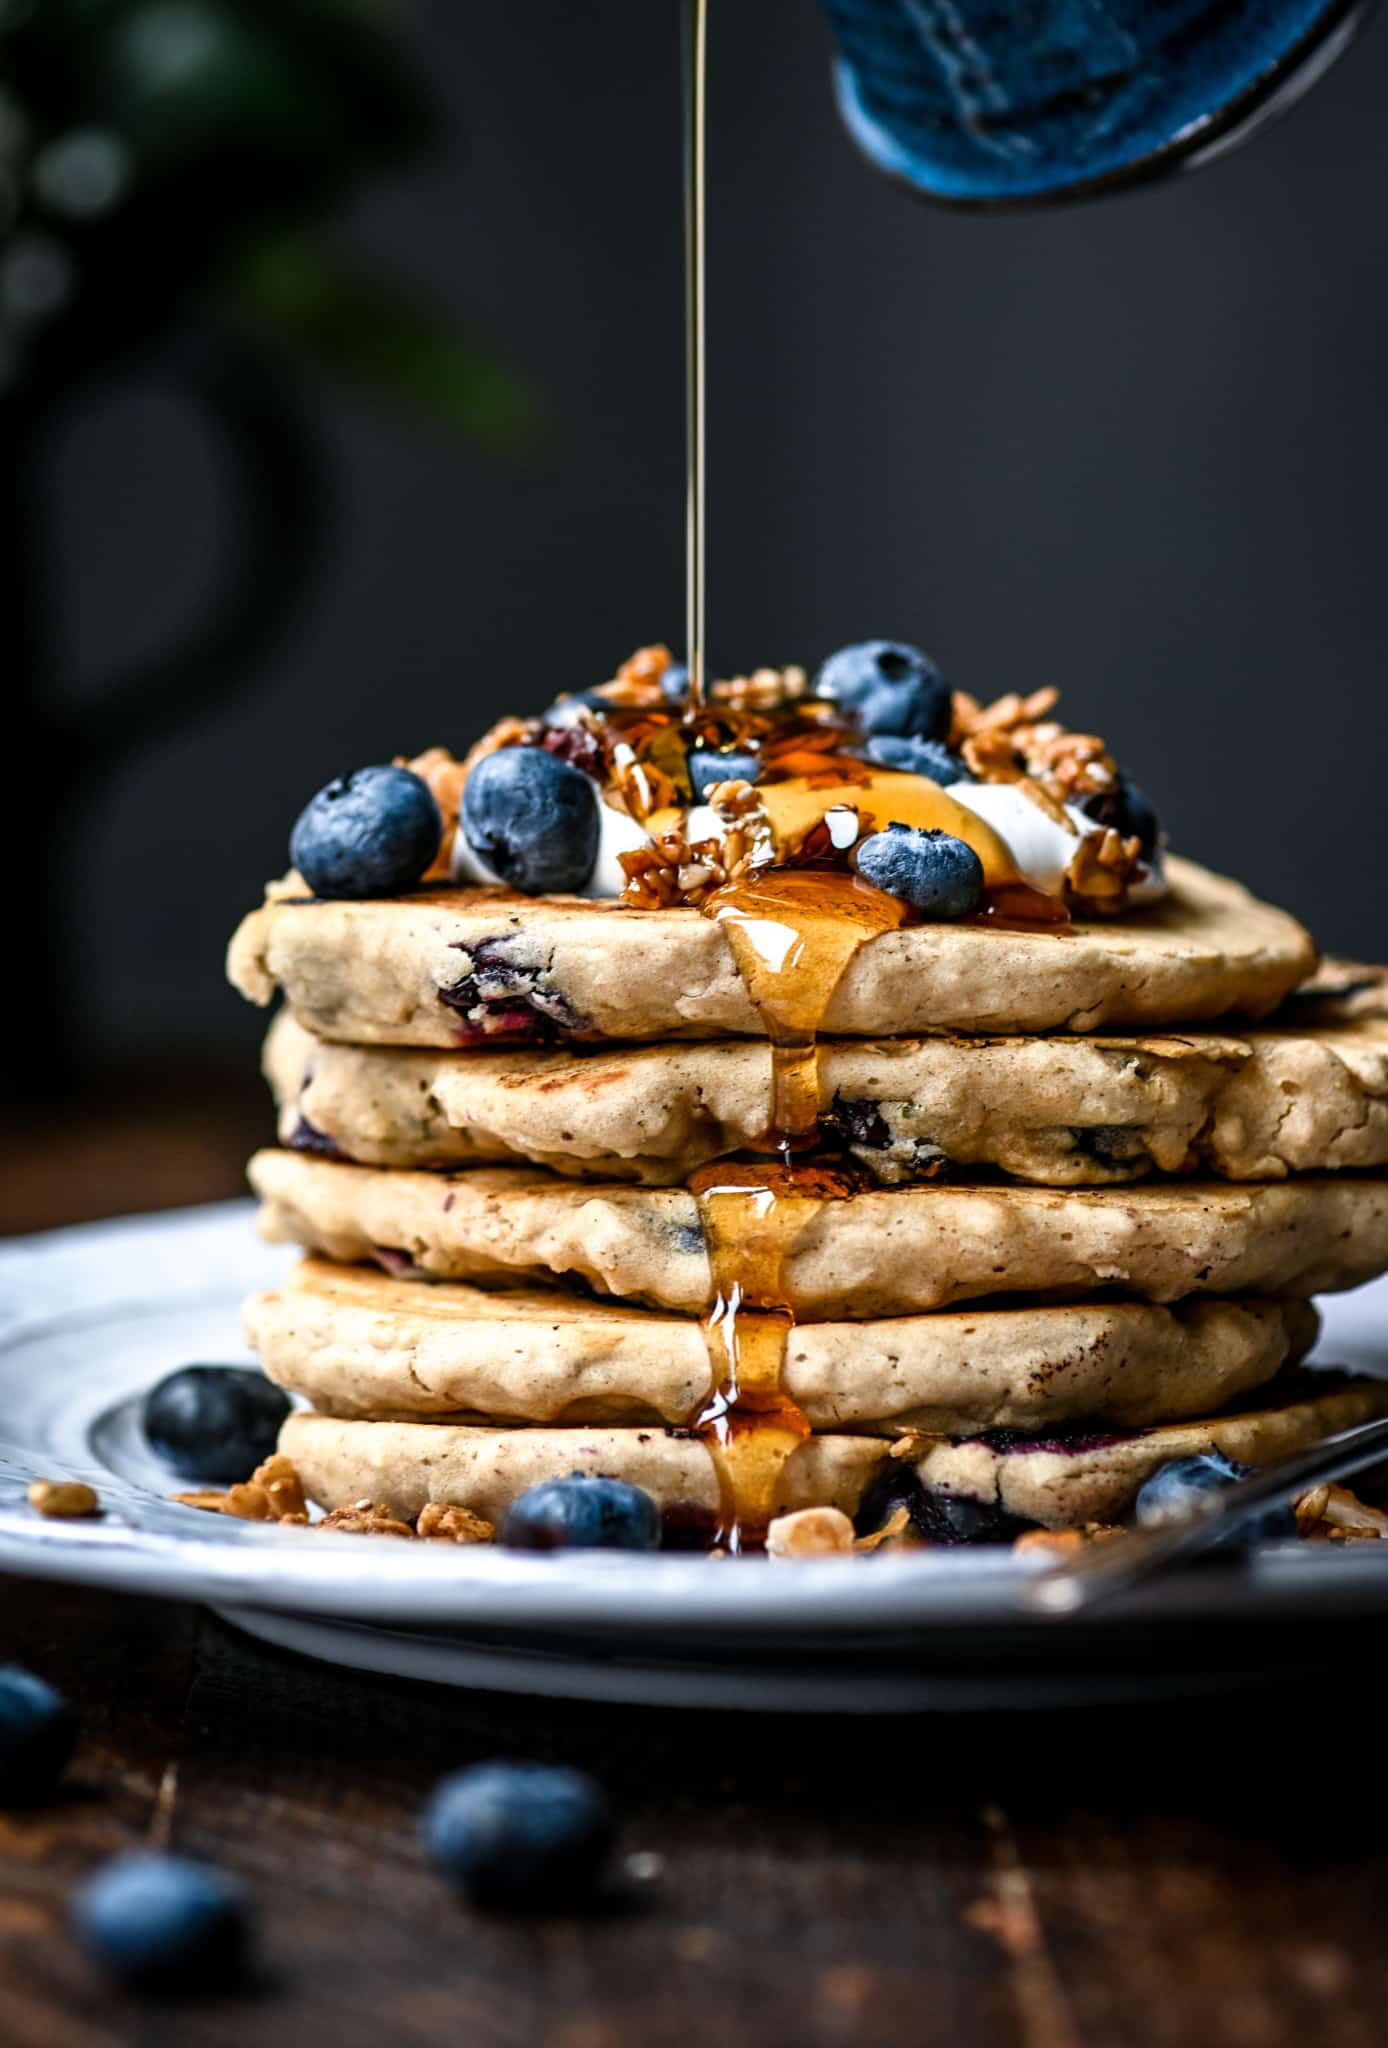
(358,1344)
(1056,1482)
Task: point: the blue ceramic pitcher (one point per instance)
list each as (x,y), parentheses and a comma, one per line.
(990,102)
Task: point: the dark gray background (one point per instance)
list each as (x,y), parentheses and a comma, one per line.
(1135,448)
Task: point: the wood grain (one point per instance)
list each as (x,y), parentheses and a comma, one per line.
(1156,1876)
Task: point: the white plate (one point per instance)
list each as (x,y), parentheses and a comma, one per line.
(90,1318)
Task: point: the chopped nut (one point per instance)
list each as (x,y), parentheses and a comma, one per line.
(1100,870)
(810,1532)
(892,1533)
(992,757)
(911,1446)
(366,1518)
(441,1523)
(1002,715)
(283,1485)
(1335,1512)
(641,674)
(273,1493)
(1064,1541)
(65,1499)
(766,689)
(1053,808)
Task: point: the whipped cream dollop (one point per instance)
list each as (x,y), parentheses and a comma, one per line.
(1041,848)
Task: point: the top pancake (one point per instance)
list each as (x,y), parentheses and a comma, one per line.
(483,966)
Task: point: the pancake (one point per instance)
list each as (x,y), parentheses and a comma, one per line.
(1061,1111)
(357,1343)
(1062,1485)
(879,1253)
(476,966)
(406,1464)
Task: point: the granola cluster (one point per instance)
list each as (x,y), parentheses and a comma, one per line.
(1014,740)
(673,869)
(631,736)
(275,1493)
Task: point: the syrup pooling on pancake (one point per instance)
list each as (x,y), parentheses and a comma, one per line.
(793,933)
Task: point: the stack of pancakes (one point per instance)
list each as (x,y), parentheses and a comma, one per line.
(1091,1200)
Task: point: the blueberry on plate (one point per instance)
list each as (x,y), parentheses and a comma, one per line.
(1128,810)
(937,874)
(214,1421)
(884,686)
(1186,1486)
(163,1921)
(522,1836)
(371,833)
(707,767)
(38,1731)
(533,819)
(931,758)
(583,1512)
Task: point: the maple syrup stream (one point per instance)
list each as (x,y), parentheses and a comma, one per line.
(793,933)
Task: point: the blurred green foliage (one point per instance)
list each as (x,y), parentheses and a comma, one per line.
(157,155)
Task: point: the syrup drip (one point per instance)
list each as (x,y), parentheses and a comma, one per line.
(752,1213)
(793,933)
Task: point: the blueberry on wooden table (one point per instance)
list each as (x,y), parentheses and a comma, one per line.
(887,686)
(1185,1487)
(520,1836)
(370,833)
(163,1922)
(38,1732)
(582,1512)
(214,1421)
(935,873)
(533,819)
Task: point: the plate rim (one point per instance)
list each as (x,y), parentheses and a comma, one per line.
(64,1281)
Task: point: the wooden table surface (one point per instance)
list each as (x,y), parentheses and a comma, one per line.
(1172,1876)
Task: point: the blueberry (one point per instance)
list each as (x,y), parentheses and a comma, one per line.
(520,1835)
(371,833)
(707,767)
(956,1518)
(533,819)
(934,872)
(931,758)
(583,1512)
(38,1731)
(887,687)
(564,710)
(1181,1488)
(214,1421)
(674,683)
(1128,810)
(163,1921)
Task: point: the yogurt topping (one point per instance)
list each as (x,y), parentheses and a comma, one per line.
(1041,849)
(810,774)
